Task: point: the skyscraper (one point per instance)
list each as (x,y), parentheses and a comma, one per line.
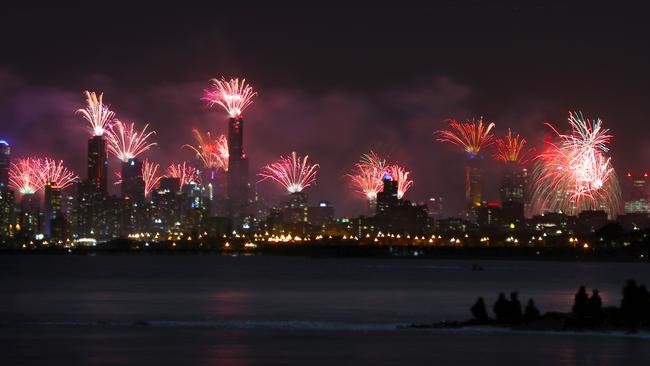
(7,205)
(97,164)
(5,157)
(132,181)
(52,206)
(237,171)
(514,179)
(387,198)
(636,194)
(133,197)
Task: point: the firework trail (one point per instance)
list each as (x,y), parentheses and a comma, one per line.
(54,172)
(150,176)
(373,160)
(512,149)
(213,153)
(573,174)
(24,176)
(185,172)
(293,173)
(366,178)
(234,95)
(471,136)
(125,143)
(97,113)
(400,174)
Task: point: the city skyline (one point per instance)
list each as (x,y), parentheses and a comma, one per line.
(347,111)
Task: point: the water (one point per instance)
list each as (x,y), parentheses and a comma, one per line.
(186,309)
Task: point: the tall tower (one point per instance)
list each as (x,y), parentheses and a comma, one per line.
(5,157)
(387,198)
(133,197)
(52,206)
(473,182)
(97,164)
(132,181)
(237,170)
(514,180)
(234,96)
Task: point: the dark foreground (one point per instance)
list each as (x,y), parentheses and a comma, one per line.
(198,346)
(215,310)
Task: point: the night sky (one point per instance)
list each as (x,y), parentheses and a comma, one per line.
(333,82)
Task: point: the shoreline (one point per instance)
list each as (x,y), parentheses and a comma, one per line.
(560,254)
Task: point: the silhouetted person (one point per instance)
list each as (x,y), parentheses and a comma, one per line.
(515,313)
(631,304)
(580,307)
(501,307)
(644,304)
(531,312)
(479,311)
(595,305)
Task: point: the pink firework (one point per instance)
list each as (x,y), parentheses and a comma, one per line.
(97,113)
(234,95)
(24,176)
(125,143)
(213,153)
(150,176)
(54,172)
(185,172)
(366,178)
(400,174)
(293,173)
(574,174)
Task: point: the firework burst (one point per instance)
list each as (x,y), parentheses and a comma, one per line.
(234,95)
(294,173)
(97,113)
(213,153)
(471,136)
(125,143)
(24,176)
(573,174)
(54,172)
(512,149)
(366,178)
(400,174)
(185,172)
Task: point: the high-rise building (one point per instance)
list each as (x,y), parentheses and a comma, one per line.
(166,206)
(322,214)
(473,184)
(295,209)
(5,158)
(97,164)
(395,215)
(636,194)
(52,207)
(216,183)
(28,220)
(7,205)
(514,180)
(513,183)
(387,198)
(132,181)
(238,189)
